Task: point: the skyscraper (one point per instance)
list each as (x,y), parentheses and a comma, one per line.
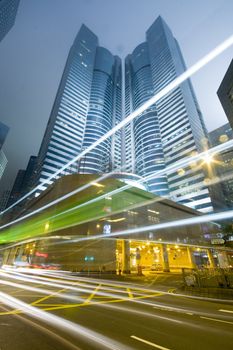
(87,105)
(3,133)
(24,181)
(171,130)
(3,160)
(3,163)
(224,161)
(8,10)
(225,93)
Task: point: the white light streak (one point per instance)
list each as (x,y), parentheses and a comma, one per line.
(176,223)
(56,321)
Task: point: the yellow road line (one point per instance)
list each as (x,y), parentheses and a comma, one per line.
(103,302)
(84,304)
(48,296)
(92,295)
(129,292)
(171,290)
(43,305)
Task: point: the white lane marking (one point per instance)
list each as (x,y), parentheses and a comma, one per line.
(223,310)
(172,309)
(149,343)
(216,320)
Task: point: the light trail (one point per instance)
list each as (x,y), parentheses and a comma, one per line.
(176,223)
(66,285)
(173,167)
(167,89)
(147,293)
(59,322)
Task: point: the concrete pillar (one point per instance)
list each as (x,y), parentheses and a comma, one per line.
(11,256)
(223,259)
(164,258)
(191,258)
(6,254)
(211,259)
(125,256)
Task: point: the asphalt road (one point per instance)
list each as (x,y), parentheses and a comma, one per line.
(69,312)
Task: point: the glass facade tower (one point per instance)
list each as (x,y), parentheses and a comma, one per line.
(89,104)
(8,11)
(104,112)
(84,109)
(146,141)
(171,130)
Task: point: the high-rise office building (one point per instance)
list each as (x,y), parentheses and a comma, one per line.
(8,10)
(224,161)
(4,197)
(87,105)
(225,93)
(3,160)
(24,181)
(3,163)
(171,130)
(3,133)
(16,190)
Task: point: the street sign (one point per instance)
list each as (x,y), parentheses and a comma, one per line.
(217,241)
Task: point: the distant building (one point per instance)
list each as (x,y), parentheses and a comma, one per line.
(3,160)
(24,181)
(4,197)
(224,161)
(30,175)
(17,188)
(3,133)
(3,163)
(225,93)
(8,10)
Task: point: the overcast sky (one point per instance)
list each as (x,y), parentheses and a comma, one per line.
(34,52)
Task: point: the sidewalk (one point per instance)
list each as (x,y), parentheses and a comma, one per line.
(207,292)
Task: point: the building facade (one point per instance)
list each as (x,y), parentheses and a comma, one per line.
(8,11)
(4,129)
(97,233)
(3,163)
(171,130)
(225,93)
(87,105)
(4,197)
(24,181)
(224,161)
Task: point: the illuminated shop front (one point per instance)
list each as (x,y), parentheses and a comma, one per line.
(111,226)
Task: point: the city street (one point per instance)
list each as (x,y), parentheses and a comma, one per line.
(116,175)
(53,310)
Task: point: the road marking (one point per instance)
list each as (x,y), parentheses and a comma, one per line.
(166,308)
(216,320)
(149,343)
(47,307)
(171,290)
(92,295)
(48,296)
(223,310)
(100,302)
(130,293)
